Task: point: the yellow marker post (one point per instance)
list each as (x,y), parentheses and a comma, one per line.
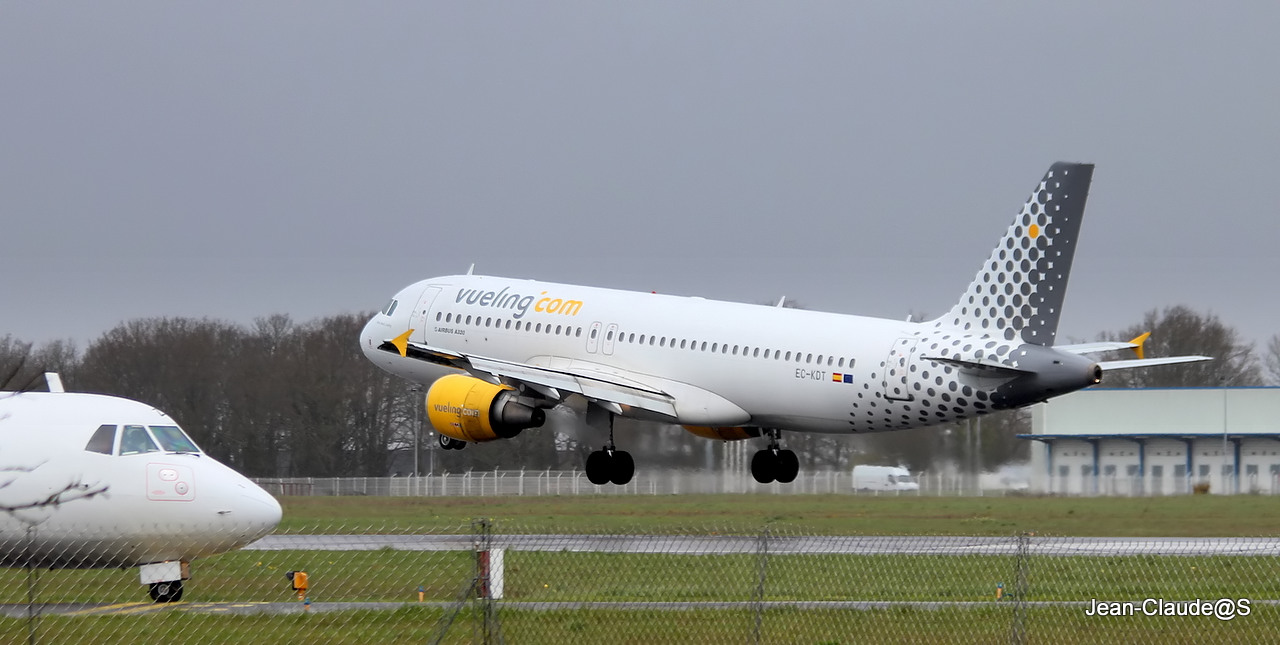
(421,593)
(999,590)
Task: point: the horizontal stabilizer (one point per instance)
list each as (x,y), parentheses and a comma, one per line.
(1151,362)
(979,367)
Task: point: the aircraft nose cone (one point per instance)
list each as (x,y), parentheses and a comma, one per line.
(260,511)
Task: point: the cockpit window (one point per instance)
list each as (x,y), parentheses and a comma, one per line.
(135,440)
(390,308)
(102,440)
(173,439)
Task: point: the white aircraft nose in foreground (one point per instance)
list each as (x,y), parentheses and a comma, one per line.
(496,352)
(93,481)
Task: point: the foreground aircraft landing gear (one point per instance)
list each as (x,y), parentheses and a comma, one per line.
(170,591)
(775,464)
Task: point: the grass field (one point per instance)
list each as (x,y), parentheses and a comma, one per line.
(1181,516)
(550,577)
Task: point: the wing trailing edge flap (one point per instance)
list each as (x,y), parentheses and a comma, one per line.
(608,388)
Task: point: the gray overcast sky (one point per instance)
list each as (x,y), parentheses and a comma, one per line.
(235,160)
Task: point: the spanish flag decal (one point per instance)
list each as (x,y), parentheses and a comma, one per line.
(837,377)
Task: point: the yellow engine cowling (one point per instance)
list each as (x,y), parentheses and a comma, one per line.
(726,434)
(469,409)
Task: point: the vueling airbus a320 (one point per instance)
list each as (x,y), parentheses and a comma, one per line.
(496,352)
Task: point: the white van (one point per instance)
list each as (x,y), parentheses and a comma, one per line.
(883,478)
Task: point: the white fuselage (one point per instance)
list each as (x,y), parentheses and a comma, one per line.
(156,505)
(725,364)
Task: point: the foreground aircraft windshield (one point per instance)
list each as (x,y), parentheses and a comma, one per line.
(173,439)
(495,353)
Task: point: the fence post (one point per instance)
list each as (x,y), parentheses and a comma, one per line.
(1018,628)
(762,568)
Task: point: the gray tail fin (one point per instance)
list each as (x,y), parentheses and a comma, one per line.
(1018,292)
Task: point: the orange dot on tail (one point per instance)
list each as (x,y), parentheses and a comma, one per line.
(1033,231)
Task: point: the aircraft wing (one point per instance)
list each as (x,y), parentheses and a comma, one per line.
(609,388)
(1136,346)
(1093,348)
(1107,346)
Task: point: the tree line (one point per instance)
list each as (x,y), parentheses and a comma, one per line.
(279,398)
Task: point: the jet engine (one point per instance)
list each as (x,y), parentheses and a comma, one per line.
(469,409)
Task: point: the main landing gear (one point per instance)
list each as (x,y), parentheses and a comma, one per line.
(610,464)
(449,443)
(774,463)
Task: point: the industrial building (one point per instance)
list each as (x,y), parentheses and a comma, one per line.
(1158,441)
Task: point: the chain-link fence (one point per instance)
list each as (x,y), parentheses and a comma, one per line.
(492,582)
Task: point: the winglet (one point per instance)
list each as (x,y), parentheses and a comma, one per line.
(402,343)
(782,302)
(1137,342)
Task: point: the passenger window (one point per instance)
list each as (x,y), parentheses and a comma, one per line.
(641,339)
(439,316)
(608,336)
(578,333)
(714,347)
(558,328)
(788,355)
(594,332)
(766,354)
(538,328)
(135,440)
(842,362)
(682,343)
(102,440)
(173,439)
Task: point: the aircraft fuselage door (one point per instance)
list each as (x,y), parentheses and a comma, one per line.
(593,338)
(609,333)
(421,317)
(897,370)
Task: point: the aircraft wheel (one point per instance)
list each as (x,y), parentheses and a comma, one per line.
(788,466)
(598,467)
(449,443)
(763,466)
(622,469)
(170,591)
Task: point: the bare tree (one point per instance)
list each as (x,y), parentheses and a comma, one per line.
(1272,359)
(1179,330)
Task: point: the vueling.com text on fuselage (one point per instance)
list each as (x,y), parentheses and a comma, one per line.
(542,303)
